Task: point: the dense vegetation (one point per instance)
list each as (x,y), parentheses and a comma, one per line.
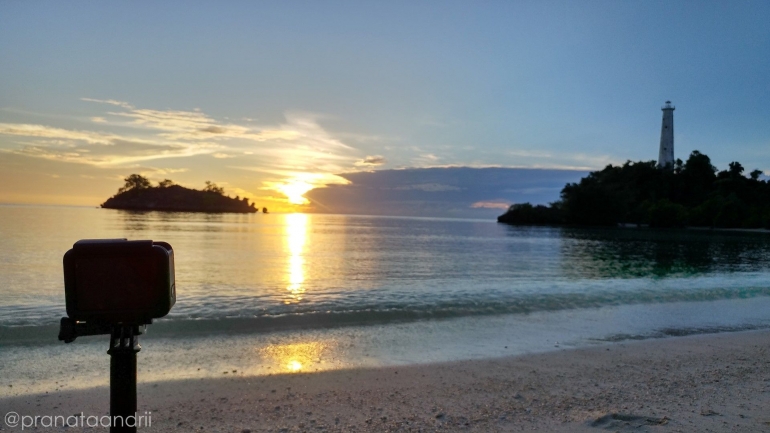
(690,193)
(139,194)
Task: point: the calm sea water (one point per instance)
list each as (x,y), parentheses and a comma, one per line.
(296,270)
(357,290)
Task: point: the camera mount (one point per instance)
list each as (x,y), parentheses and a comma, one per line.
(117,287)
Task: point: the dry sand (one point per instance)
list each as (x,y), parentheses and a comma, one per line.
(690,384)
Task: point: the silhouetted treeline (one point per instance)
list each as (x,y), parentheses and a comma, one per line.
(691,193)
(527,214)
(139,194)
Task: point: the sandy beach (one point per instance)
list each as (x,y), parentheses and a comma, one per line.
(718,382)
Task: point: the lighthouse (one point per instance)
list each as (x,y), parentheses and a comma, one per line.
(666,153)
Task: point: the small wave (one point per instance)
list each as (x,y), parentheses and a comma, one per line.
(681,332)
(192,325)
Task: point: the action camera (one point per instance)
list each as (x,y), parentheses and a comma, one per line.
(117,281)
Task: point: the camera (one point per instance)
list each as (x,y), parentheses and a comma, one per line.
(117,281)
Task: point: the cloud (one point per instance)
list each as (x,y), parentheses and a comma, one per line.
(371,160)
(108,101)
(294,148)
(114,152)
(428,187)
(425,160)
(181,125)
(214,130)
(365,138)
(503,205)
(162,171)
(42,131)
(444,192)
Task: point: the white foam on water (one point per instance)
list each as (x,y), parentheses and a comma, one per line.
(83,364)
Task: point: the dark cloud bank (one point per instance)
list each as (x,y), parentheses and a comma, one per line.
(460,192)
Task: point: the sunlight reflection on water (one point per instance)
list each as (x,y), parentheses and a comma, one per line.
(296,234)
(296,357)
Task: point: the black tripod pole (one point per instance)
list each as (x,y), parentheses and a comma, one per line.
(124,344)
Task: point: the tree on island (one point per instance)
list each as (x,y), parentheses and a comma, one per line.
(212,187)
(135,181)
(691,193)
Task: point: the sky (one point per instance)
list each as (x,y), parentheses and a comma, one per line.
(300,105)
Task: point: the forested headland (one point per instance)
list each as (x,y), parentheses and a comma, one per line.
(692,193)
(138,193)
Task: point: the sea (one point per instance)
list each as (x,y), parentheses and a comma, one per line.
(261,294)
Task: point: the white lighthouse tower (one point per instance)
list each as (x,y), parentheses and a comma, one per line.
(666,153)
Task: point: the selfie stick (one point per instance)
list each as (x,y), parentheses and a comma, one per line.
(124,345)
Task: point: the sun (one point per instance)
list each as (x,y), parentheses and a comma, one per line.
(296,185)
(294,191)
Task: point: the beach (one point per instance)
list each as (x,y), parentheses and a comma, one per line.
(715,382)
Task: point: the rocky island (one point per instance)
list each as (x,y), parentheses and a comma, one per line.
(139,194)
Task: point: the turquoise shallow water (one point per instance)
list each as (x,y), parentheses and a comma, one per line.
(265,293)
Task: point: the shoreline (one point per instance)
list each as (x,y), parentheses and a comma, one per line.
(643,227)
(717,382)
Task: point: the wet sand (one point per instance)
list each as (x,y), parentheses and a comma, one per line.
(702,383)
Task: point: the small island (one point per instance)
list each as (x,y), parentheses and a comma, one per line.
(139,194)
(682,194)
